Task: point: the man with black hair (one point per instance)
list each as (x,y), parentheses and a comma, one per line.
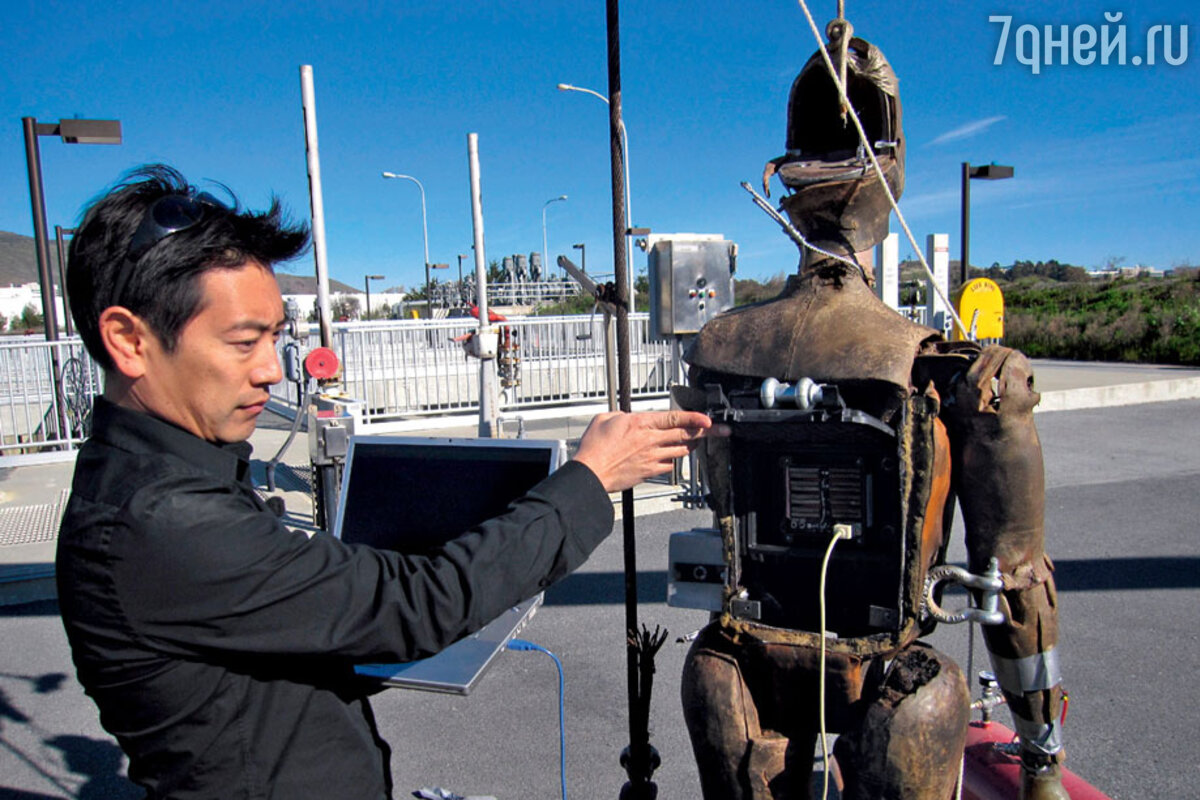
(219,645)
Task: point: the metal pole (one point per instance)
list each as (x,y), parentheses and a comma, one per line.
(424,239)
(965,232)
(425,243)
(37,199)
(545,263)
(566,87)
(487,366)
(639,765)
(308,100)
(59,230)
(367,285)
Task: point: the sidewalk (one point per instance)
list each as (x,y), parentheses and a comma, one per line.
(32,497)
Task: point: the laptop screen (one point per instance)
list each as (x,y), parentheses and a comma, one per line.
(413,494)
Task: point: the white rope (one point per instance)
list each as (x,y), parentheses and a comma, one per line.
(862,135)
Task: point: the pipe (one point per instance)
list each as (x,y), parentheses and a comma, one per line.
(487,364)
(317,202)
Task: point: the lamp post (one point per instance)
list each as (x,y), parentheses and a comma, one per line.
(545,263)
(582,248)
(71,131)
(987,172)
(425,237)
(59,233)
(367,282)
(567,87)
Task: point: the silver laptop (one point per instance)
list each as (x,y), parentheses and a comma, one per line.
(413,494)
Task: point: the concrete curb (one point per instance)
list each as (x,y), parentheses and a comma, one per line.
(1125,394)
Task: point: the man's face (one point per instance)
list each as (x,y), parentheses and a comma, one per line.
(216,382)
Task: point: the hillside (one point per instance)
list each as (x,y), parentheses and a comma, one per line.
(18,265)
(18,262)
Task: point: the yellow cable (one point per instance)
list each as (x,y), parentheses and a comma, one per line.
(839,532)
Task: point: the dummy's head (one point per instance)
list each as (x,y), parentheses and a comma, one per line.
(835,199)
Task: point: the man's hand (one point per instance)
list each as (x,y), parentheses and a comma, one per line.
(625,449)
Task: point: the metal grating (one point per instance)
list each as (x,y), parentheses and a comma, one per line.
(293,478)
(820,496)
(31,524)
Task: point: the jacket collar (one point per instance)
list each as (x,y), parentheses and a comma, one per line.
(142,433)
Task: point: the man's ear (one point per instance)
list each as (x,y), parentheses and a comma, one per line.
(126,337)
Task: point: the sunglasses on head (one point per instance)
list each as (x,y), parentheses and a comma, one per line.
(167,215)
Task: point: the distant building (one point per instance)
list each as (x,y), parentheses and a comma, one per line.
(1138,271)
(14,299)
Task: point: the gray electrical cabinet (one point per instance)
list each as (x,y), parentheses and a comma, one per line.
(691,281)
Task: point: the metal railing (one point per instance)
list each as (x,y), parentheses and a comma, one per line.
(405,368)
(46,393)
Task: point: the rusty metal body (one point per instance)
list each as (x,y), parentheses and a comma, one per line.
(907,425)
(963,418)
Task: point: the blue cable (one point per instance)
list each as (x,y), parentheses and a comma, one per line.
(526,646)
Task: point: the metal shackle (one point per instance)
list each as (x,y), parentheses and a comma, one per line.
(990,583)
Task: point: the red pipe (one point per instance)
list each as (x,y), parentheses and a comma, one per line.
(991,774)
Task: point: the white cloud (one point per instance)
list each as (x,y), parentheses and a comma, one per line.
(968,130)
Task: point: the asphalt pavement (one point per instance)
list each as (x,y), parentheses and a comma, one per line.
(1121,510)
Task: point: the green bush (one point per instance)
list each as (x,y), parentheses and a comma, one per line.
(1154,320)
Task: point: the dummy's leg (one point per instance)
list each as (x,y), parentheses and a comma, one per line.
(737,758)
(1000,483)
(909,743)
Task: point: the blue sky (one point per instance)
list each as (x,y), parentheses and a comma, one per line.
(1107,157)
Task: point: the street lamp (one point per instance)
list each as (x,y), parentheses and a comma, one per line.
(545,263)
(582,248)
(59,233)
(367,282)
(566,87)
(71,131)
(987,172)
(424,234)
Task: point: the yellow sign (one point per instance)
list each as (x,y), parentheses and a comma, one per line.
(981,308)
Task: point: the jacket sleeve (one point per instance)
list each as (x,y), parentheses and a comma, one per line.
(200,569)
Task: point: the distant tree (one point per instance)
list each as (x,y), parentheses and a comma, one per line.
(3,322)
(344,307)
(31,318)
(748,290)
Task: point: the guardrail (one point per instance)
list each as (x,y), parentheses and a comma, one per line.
(406,368)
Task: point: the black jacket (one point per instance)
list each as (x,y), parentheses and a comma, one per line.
(219,644)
